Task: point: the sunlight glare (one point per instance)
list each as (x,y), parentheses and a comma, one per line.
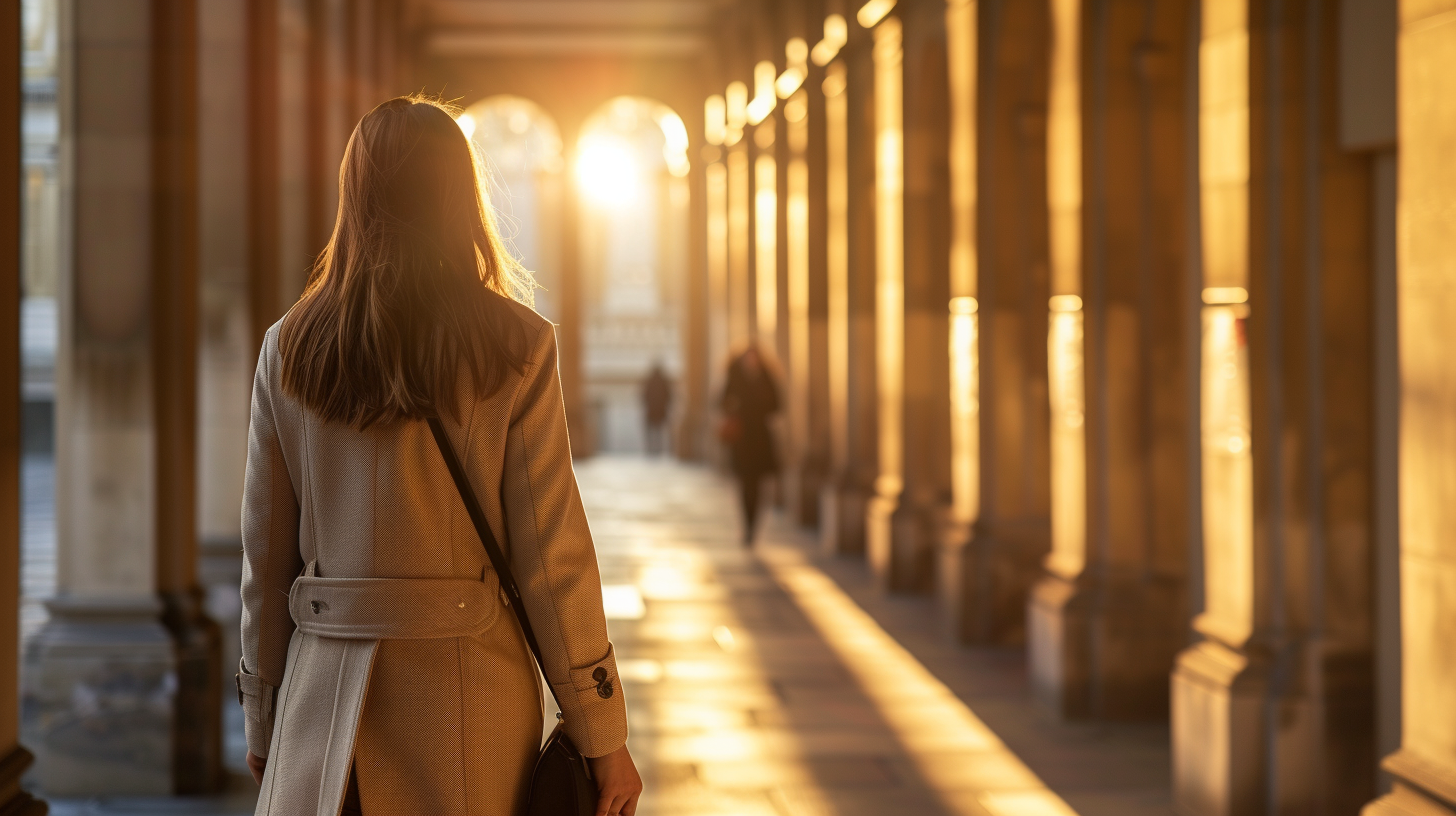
(607,172)
(467,124)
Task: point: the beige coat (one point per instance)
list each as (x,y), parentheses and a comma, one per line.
(374,631)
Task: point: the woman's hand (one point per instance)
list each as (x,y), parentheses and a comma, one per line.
(256,764)
(618,782)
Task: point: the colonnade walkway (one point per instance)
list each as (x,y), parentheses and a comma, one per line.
(776,682)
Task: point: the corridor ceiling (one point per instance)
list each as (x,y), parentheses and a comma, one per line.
(636,28)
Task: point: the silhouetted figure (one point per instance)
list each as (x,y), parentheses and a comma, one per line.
(656,401)
(750,397)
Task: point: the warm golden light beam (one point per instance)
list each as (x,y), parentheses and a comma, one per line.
(1068,443)
(1224,295)
(716,184)
(926,717)
(740,286)
(871,13)
(715,120)
(1228,468)
(965,406)
(789,81)
(766,252)
(467,124)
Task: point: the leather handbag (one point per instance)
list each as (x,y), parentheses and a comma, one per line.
(561,784)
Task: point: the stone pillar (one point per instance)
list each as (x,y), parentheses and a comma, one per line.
(1010,534)
(806,469)
(962,53)
(127,657)
(925,427)
(846,502)
(698,361)
(889,264)
(1110,616)
(816,465)
(740,174)
(14,759)
(1424,769)
(1273,709)
(227,348)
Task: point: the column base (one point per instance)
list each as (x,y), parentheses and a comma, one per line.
(842,517)
(1421,788)
(806,496)
(1001,563)
(1219,735)
(1104,651)
(99,689)
(197,763)
(914,546)
(879,534)
(951,576)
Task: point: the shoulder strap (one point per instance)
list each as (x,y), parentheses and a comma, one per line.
(487,538)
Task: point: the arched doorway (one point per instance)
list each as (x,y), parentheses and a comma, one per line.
(631,172)
(521,145)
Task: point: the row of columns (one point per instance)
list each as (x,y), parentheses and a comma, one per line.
(1091,332)
(199,151)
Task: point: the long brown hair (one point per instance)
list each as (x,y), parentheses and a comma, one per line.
(414,286)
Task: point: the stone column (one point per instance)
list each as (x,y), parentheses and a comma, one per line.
(1109,617)
(806,474)
(227,347)
(1424,769)
(14,759)
(1273,709)
(1011,534)
(816,464)
(846,501)
(698,361)
(889,264)
(962,54)
(925,428)
(127,656)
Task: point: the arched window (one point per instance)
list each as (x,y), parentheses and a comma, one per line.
(631,171)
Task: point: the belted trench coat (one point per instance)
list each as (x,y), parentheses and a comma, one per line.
(374,634)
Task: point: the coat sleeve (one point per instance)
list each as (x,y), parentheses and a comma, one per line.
(554,561)
(271,561)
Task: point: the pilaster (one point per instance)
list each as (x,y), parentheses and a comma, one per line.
(1424,769)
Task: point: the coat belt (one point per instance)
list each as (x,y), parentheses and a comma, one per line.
(393,608)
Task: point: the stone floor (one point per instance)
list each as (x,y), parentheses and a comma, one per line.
(774,681)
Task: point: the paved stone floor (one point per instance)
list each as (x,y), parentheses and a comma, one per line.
(775,682)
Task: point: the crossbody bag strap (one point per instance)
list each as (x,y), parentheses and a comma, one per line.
(492,549)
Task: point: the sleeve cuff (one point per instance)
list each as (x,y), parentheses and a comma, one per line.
(594,712)
(256,696)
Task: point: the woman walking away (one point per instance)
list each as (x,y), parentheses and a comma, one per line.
(382,670)
(749,399)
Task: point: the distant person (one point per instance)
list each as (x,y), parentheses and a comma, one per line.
(383,670)
(750,398)
(656,401)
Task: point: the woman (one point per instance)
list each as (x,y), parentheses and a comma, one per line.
(398,682)
(750,398)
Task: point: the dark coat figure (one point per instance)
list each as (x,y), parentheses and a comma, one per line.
(656,401)
(750,398)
